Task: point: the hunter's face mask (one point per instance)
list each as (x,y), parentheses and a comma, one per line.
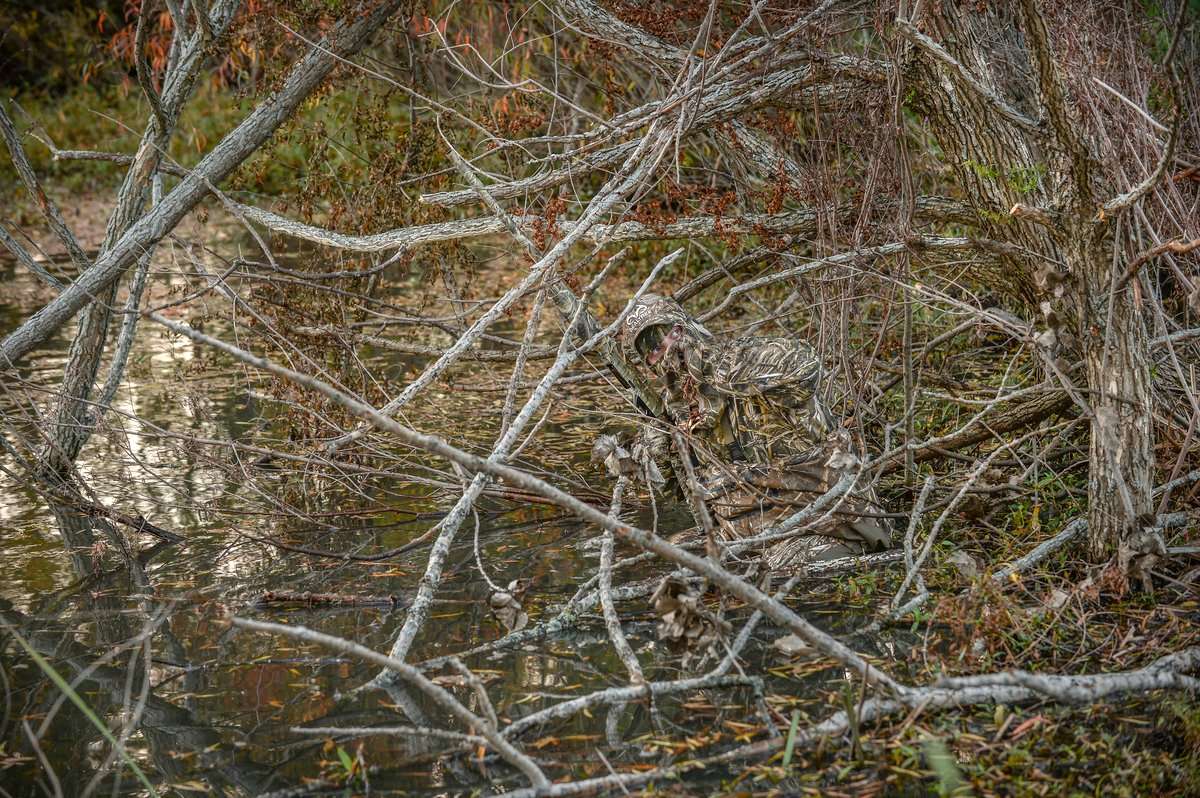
(659,346)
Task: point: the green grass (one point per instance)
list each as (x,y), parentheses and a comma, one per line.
(108,119)
(351,134)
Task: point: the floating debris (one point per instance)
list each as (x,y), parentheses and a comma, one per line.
(506,606)
(683,619)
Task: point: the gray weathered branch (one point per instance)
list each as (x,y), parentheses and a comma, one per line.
(347,37)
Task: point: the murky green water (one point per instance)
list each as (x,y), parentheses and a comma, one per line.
(219,705)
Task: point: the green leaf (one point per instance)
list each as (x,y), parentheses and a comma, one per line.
(346,760)
(942,763)
(791,740)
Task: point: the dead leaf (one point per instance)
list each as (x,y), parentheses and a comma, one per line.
(506,606)
(965,564)
(792,646)
(1025,726)
(1057,599)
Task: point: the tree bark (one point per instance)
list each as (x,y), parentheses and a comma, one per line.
(980,75)
(1116,355)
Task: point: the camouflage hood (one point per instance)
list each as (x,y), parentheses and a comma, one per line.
(653,310)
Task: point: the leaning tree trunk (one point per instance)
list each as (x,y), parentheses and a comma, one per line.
(984,79)
(76,413)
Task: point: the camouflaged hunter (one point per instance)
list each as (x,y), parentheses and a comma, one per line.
(764,445)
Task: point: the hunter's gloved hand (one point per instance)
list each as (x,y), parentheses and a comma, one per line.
(651,450)
(637,460)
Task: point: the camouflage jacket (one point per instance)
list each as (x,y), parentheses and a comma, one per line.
(752,400)
(764,442)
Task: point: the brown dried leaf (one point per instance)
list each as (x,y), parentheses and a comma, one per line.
(506,606)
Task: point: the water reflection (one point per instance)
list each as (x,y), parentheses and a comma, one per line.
(218,706)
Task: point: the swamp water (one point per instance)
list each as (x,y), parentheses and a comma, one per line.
(218,709)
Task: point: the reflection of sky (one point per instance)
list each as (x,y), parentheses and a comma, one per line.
(140,461)
(127,462)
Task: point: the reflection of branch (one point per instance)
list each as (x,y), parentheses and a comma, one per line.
(118,747)
(717,677)
(89,667)
(60,492)
(443,698)
(1166,673)
(719,576)
(503,449)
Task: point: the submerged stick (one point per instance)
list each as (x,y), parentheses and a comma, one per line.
(329,599)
